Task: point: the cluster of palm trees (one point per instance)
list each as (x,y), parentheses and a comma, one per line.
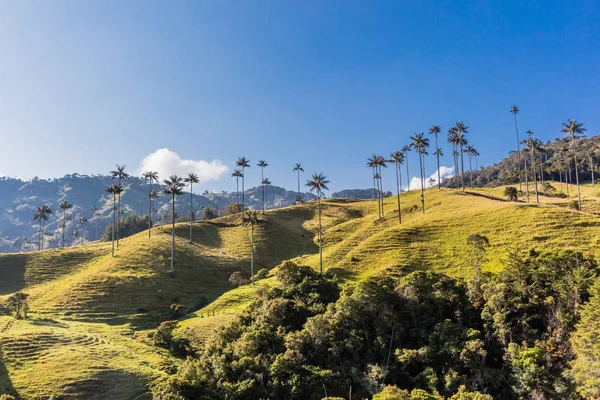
(572,130)
(420,143)
(42,215)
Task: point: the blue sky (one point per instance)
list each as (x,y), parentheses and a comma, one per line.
(87,84)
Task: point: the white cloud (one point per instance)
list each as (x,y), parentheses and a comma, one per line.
(167,162)
(445,172)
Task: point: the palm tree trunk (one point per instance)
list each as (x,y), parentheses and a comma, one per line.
(462,168)
(592,164)
(43,234)
(40,236)
(262,178)
(576,175)
(470,172)
(537,198)
(191,207)
(376,189)
(456,171)
(476,170)
(173,233)
(381,187)
(518,151)
(298,185)
(560,178)
(437,155)
(266,197)
(113,227)
(320,232)
(252,253)
(118,216)
(243,200)
(150,210)
(407,174)
(422,185)
(237,193)
(398,195)
(526,181)
(64,226)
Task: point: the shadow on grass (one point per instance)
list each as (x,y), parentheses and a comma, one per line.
(6,385)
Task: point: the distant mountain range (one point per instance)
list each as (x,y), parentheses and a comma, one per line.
(19,199)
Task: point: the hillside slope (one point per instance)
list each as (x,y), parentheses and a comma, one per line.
(89,311)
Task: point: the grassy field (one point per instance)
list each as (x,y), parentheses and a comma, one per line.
(87,333)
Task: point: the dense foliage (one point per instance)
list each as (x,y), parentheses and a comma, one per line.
(420,335)
(128,226)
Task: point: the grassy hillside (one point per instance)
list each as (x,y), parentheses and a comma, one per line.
(89,310)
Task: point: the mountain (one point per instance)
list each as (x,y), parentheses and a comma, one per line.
(365,194)
(19,199)
(91,330)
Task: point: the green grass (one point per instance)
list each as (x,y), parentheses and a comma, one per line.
(90,311)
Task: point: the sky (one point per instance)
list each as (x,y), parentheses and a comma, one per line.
(193,85)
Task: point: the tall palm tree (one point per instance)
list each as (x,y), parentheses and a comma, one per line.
(435,130)
(469,150)
(371,163)
(83,222)
(191,179)
(244,163)
(94,214)
(174,187)
(121,175)
(113,190)
(150,177)
(564,150)
(262,164)
(41,215)
(453,140)
(398,158)
(515,110)
(319,183)
(439,153)
(534,146)
(405,149)
(461,130)
(64,205)
(574,129)
(299,169)
(591,157)
(380,162)
(420,143)
(237,174)
(252,219)
(266,182)
(475,154)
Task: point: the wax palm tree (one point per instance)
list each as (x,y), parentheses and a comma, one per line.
(262,164)
(574,129)
(299,169)
(475,154)
(405,149)
(371,164)
(95,224)
(534,147)
(266,182)
(453,140)
(420,143)
(515,110)
(461,130)
(381,162)
(244,163)
(237,174)
(319,183)
(398,158)
(113,190)
(469,150)
(120,174)
(252,219)
(564,151)
(75,237)
(41,215)
(150,177)
(438,153)
(83,222)
(64,205)
(591,158)
(435,130)
(191,179)
(174,187)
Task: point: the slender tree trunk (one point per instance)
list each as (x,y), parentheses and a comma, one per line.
(526,181)
(437,155)
(476,170)
(376,188)
(252,253)
(64,226)
(592,165)
(191,207)
(462,168)
(320,232)
(560,178)
(422,185)
(113,226)
(43,225)
(398,195)
(470,172)
(381,187)
(456,171)
(537,198)
(118,216)
(407,174)
(576,175)
(243,199)
(262,178)
(150,210)
(40,232)
(518,151)
(298,185)
(237,193)
(173,234)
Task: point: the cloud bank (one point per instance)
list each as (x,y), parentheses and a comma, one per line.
(167,162)
(445,172)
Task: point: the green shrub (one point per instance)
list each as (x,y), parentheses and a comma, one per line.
(261,274)
(511,193)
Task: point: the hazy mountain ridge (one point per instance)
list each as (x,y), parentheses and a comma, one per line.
(19,199)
